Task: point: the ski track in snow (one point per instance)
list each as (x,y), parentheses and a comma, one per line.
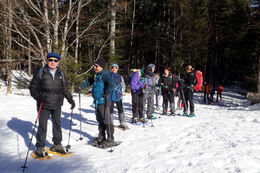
(223,137)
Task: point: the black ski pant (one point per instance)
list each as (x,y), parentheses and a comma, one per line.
(188,94)
(56,127)
(105,121)
(157,92)
(137,105)
(168,96)
(206,97)
(220,96)
(150,103)
(180,98)
(120,110)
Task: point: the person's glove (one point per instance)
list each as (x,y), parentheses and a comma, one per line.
(72,104)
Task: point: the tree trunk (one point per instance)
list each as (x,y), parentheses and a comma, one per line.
(47,25)
(258,75)
(66,28)
(56,24)
(8,49)
(29,60)
(113,28)
(77,32)
(132,37)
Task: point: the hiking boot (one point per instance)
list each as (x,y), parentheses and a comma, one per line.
(164,112)
(107,143)
(185,114)
(58,148)
(134,120)
(143,120)
(40,152)
(172,112)
(149,117)
(98,139)
(191,114)
(123,126)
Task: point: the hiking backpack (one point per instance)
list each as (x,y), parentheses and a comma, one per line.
(198,80)
(174,77)
(116,93)
(131,73)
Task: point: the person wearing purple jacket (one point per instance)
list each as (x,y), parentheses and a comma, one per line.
(139,81)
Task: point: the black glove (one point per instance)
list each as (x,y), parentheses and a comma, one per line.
(72,104)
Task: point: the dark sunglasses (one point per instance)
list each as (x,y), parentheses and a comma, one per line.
(51,60)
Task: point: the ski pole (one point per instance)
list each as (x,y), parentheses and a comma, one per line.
(39,111)
(80,138)
(68,146)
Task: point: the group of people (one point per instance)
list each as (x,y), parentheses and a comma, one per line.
(209,92)
(49,87)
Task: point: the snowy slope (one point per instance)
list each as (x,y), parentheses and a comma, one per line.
(224,137)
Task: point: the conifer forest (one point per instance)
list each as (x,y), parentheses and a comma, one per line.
(218,37)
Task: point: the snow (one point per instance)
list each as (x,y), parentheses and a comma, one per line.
(224,137)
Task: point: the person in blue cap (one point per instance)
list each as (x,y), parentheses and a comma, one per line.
(120,88)
(49,87)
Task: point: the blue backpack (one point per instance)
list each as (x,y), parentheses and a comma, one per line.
(116,93)
(98,89)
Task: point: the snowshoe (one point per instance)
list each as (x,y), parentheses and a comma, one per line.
(143,120)
(58,153)
(40,154)
(58,149)
(105,144)
(40,158)
(191,114)
(109,143)
(184,114)
(98,140)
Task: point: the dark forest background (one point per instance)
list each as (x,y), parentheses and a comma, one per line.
(218,37)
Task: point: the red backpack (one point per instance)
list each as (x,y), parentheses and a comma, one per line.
(198,81)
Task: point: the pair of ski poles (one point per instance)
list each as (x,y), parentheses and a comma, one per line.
(38,115)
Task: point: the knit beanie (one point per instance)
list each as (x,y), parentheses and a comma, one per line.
(148,71)
(151,65)
(114,65)
(101,62)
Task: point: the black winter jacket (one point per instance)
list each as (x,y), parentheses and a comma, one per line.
(168,83)
(48,90)
(189,80)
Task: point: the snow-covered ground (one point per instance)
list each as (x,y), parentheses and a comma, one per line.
(224,137)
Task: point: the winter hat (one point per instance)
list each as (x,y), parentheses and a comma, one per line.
(151,65)
(101,62)
(148,71)
(114,65)
(54,55)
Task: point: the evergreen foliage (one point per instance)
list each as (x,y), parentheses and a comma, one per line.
(220,38)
